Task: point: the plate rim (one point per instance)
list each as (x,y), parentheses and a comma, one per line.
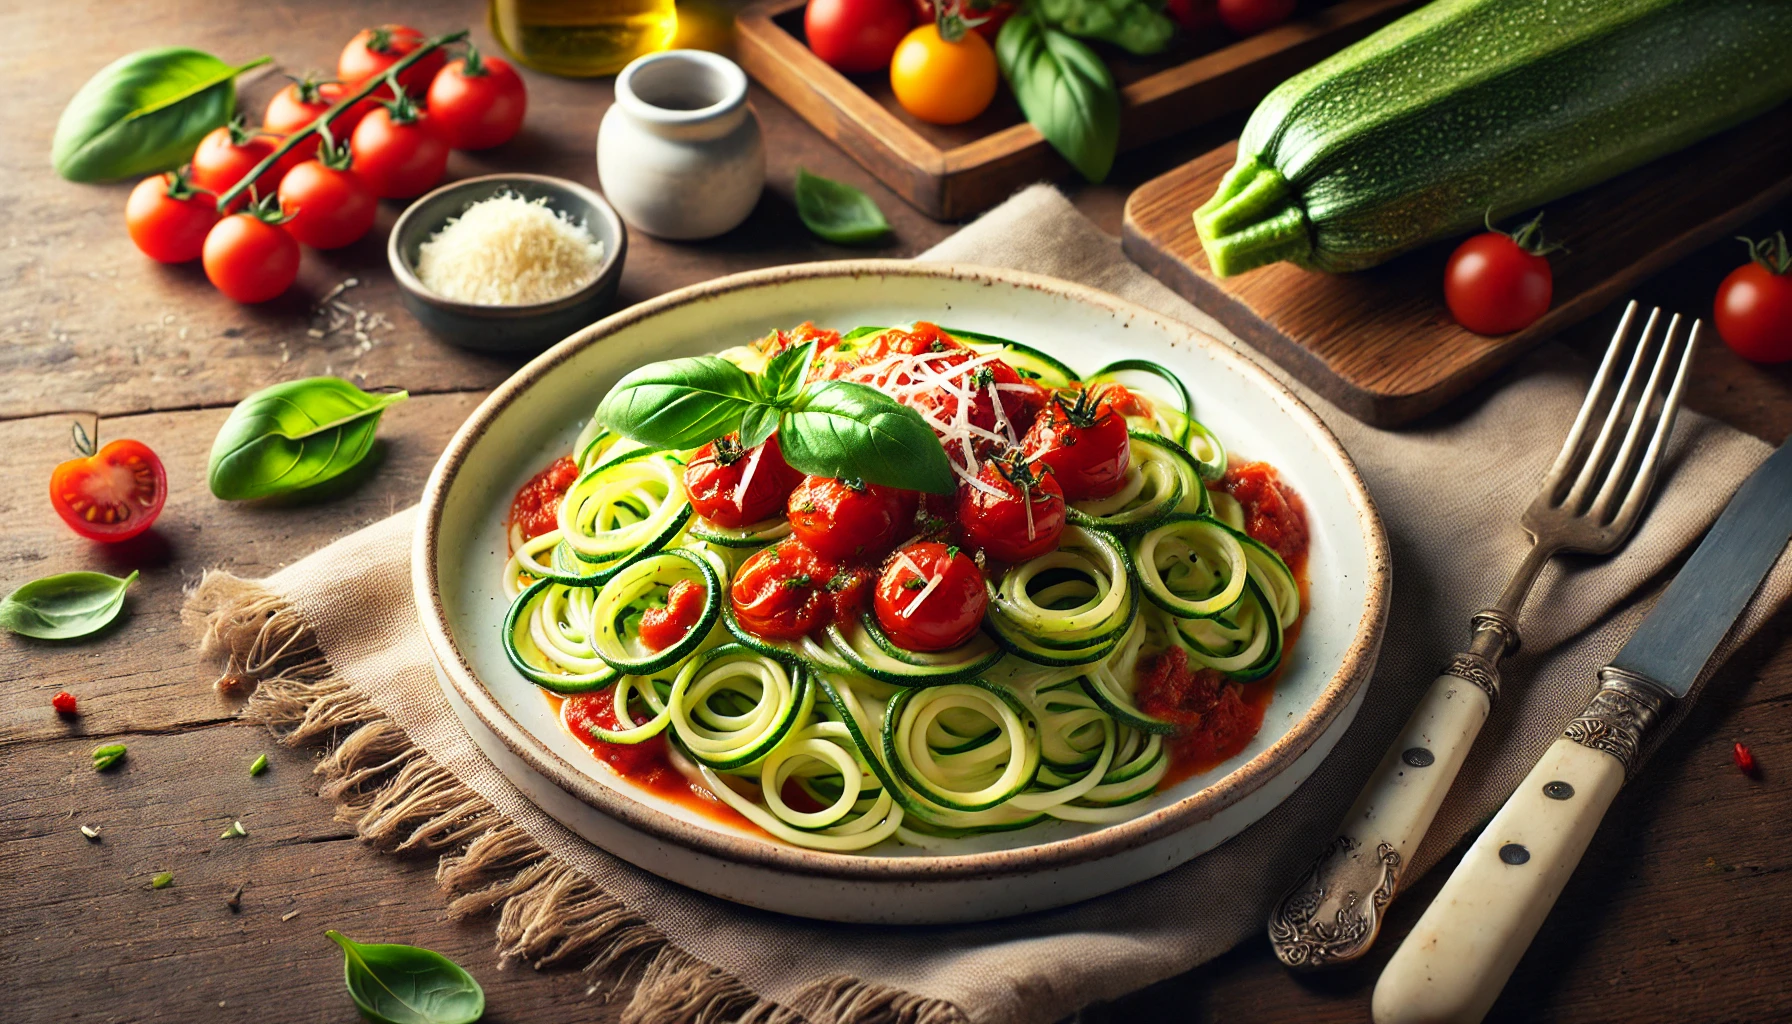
(1354,670)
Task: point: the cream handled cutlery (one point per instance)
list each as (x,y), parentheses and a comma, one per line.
(1590,501)
(1458,957)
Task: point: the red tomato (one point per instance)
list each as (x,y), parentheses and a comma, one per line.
(228,154)
(326,203)
(1084,444)
(781,592)
(64,702)
(1496,284)
(847,519)
(939,406)
(536,507)
(1022,520)
(294,108)
(856,35)
(111,495)
(1193,15)
(168,219)
(399,152)
(478,101)
(951,611)
(250,259)
(1754,304)
(662,626)
(373,50)
(1249,17)
(988,14)
(851,590)
(713,479)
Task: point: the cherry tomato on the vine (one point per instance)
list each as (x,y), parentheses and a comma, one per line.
(373,50)
(294,108)
(713,478)
(110,495)
(326,203)
(229,153)
(781,592)
(1753,312)
(988,15)
(1084,443)
(850,519)
(949,613)
(856,35)
(478,101)
(399,152)
(664,625)
(1249,17)
(1496,283)
(1017,513)
(249,256)
(943,81)
(168,218)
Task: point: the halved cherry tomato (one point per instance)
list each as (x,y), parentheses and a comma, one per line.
(665,625)
(327,204)
(373,50)
(304,101)
(1754,303)
(1497,283)
(398,150)
(110,495)
(942,81)
(478,101)
(856,35)
(781,592)
(713,481)
(228,154)
(1084,443)
(949,613)
(168,219)
(249,256)
(1021,519)
(844,519)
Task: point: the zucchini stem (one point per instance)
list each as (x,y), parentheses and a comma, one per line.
(1252,220)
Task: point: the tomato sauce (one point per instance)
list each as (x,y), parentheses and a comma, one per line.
(1273,513)
(536,507)
(647,764)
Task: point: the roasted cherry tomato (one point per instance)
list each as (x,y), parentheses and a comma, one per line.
(110,495)
(856,35)
(1754,304)
(398,150)
(987,379)
(715,476)
(373,50)
(326,203)
(228,154)
(168,218)
(850,588)
(943,81)
(249,256)
(1084,443)
(930,597)
(1497,283)
(781,593)
(844,519)
(665,625)
(1249,17)
(303,101)
(1015,513)
(478,100)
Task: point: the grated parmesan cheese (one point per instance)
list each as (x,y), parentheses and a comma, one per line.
(508,251)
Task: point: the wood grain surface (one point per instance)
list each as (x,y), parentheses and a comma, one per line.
(1677,913)
(1381,344)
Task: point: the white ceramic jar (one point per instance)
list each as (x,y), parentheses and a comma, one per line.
(679,153)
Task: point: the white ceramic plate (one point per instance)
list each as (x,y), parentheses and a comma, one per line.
(532,419)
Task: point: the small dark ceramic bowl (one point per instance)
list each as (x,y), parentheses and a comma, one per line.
(507,329)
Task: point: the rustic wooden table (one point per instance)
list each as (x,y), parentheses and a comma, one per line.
(1678,913)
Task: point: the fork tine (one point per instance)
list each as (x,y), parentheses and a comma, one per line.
(1619,472)
(1596,457)
(1559,472)
(1645,474)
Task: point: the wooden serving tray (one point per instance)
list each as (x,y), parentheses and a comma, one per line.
(954,171)
(1380,343)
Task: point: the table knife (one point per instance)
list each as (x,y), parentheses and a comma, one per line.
(1452,966)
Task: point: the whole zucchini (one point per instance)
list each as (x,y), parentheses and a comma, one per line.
(1467,108)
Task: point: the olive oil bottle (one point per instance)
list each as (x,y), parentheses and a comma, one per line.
(582,38)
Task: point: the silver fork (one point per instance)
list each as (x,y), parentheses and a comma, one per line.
(1590,501)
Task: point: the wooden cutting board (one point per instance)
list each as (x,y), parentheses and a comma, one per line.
(1380,343)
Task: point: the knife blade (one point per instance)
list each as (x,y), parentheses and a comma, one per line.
(1457,958)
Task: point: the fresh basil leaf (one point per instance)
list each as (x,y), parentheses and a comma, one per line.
(293,435)
(838,212)
(783,375)
(757,424)
(64,606)
(841,429)
(1065,91)
(396,984)
(1136,26)
(679,403)
(144,112)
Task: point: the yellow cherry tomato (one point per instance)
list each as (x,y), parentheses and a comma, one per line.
(943,82)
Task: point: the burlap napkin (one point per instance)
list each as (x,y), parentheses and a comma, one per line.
(333,642)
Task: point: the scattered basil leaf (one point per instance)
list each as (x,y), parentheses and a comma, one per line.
(1136,26)
(842,429)
(260,765)
(107,756)
(838,212)
(395,984)
(144,112)
(679,403)
(1064,89)
(162,881)
(235,830)
(294,435)
(64,606)
(783,376)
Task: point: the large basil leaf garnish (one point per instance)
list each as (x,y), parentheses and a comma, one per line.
(396,984)
(1065,90)
(293,435)
(841,429)
(65,606)
(144,112)
(679,403)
